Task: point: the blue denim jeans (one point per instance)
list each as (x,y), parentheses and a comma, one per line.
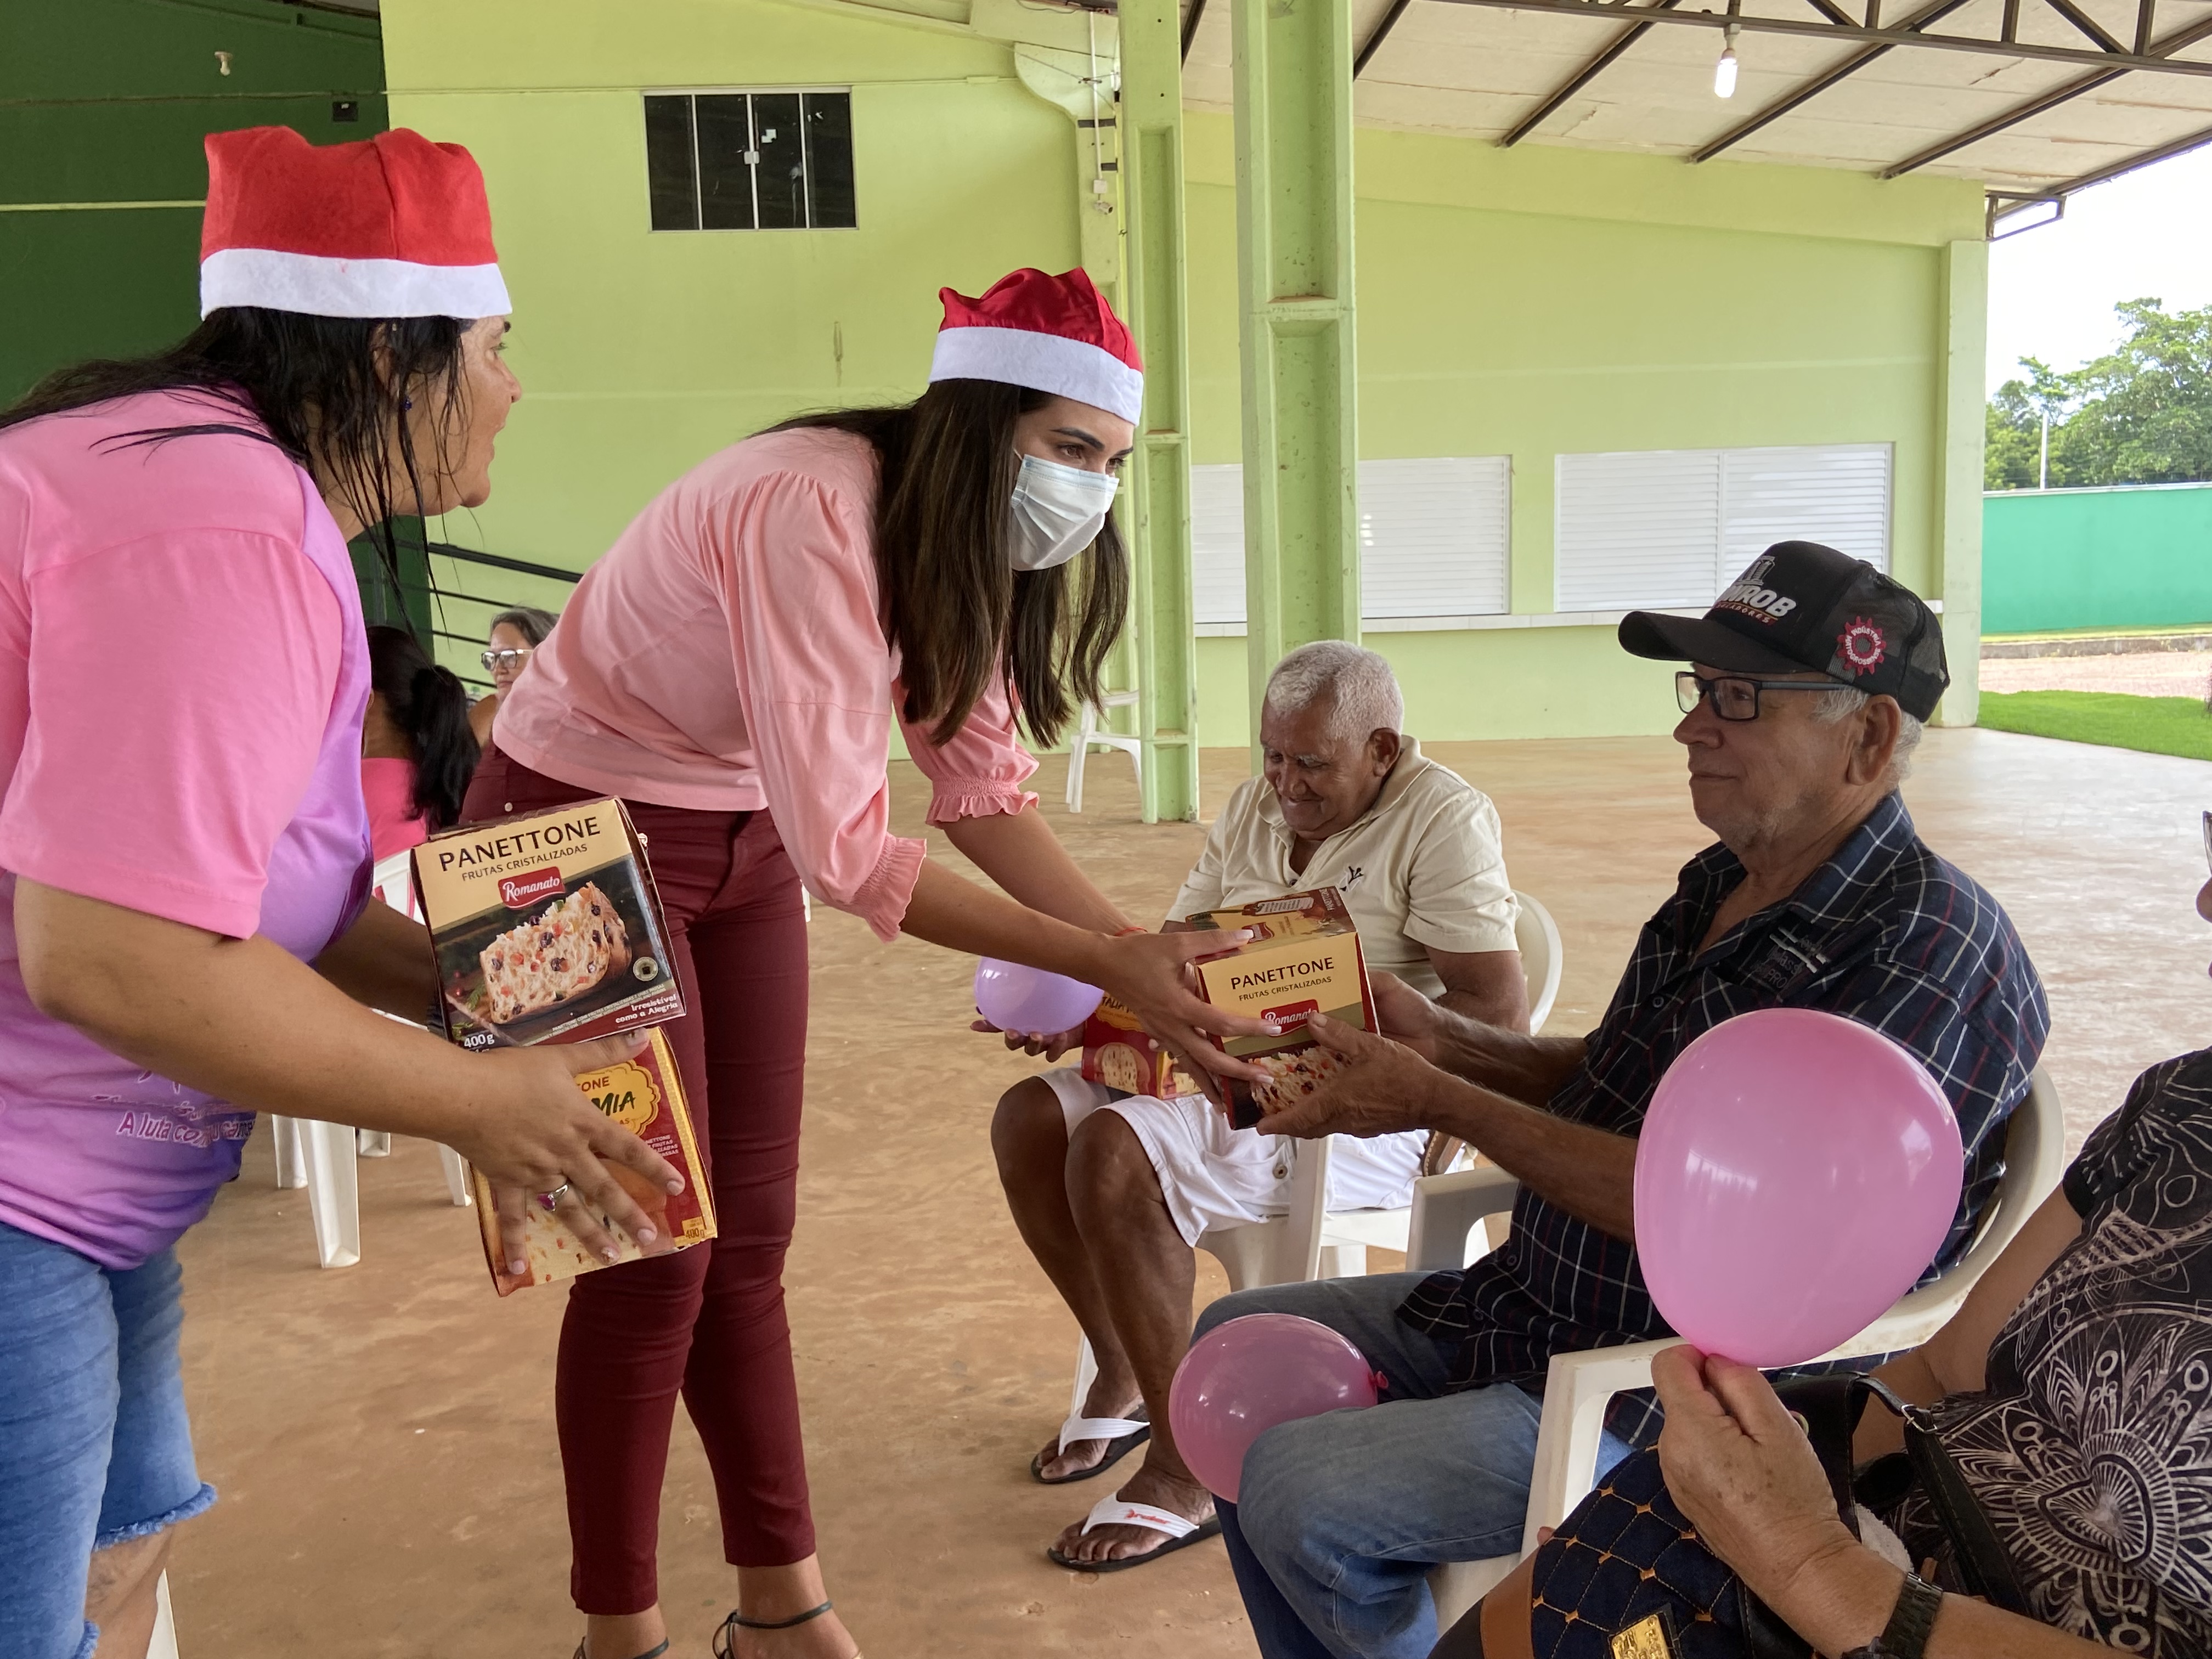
(94,1449)
(1340,1516)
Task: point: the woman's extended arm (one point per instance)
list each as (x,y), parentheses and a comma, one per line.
(1143,971)
(243,1020)
(1018,851)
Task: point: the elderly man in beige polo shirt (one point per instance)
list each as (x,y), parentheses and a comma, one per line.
(1111,1191)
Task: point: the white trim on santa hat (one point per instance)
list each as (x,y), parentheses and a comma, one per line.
(322,287)
(1044,363)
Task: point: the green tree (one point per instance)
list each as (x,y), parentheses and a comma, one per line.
(2141,414)
(2144,414)
(2013,456)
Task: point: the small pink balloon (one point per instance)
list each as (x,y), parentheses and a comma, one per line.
(1241,1379)
(1017,997)
(1796,1173)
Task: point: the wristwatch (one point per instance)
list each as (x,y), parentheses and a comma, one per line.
(1906,1634)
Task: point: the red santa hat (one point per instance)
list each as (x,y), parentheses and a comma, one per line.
(1052,334)
(393,227)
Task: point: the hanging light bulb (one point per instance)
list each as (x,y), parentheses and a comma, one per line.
(1724,71)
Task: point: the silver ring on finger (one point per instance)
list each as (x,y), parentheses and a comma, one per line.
(548,1200)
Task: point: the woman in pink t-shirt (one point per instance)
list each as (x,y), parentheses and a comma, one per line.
(734,668)
(183,851)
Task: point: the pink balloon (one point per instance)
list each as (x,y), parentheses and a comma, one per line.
(1241,1379)
(1797,1174)
(1015,998)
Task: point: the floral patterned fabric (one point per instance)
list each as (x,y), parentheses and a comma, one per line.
(2091,1447)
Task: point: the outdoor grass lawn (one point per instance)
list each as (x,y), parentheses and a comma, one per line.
(2161,725)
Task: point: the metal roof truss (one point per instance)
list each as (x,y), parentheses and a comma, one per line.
(2105,57)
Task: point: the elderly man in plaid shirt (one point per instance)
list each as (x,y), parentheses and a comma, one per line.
(1811,677)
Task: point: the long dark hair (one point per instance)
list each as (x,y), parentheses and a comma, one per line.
(957,609)
(313,386)
(430,705)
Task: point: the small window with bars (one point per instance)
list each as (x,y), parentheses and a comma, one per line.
(750,161)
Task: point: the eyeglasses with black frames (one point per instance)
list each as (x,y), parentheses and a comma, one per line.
(1734,697)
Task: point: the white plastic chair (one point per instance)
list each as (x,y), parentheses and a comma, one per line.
(319,1156)
(1088,731)
(1578,1387)
(1308,1241)
(164,1643)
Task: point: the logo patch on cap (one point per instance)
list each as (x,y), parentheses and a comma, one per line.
(1861,645)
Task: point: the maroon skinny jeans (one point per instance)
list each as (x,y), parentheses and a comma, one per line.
(708,1321)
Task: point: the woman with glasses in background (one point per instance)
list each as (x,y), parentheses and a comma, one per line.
(514,635)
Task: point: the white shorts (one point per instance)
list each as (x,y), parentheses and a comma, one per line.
(1212,1175)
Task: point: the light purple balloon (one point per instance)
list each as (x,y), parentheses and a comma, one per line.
(1015,998)
(1241,1379)
(1795,1175)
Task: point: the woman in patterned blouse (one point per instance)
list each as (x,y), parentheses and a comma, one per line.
(2073,1392)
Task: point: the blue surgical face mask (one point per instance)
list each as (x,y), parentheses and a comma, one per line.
(1058,512)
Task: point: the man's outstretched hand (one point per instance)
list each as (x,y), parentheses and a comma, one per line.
(1050,1045)
(1381,1087)
(1405,1014)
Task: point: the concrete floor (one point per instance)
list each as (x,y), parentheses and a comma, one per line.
(2134,673)
(382,1436)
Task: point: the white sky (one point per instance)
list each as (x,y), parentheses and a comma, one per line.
(2145,236)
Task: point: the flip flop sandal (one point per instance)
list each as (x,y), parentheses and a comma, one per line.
(726,1644)
(1122,1436)
(655,1653)
(1120,1511)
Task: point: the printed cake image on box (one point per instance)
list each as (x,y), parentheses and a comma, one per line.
(546,927)
(1122,1054)
(645,1096)
(1305,959)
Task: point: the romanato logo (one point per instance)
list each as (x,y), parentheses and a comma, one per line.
(1861,645)
(520,892)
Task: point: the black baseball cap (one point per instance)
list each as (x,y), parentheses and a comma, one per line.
(1799,606)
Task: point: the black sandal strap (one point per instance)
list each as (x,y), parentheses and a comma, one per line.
(743,1622)
(655,1653)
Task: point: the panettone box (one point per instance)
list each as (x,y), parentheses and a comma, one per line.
(644,1095)
(547,928)
(1303,958)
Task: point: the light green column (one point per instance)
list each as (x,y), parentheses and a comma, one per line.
(1160,472)
(1964,274)
(1293,85)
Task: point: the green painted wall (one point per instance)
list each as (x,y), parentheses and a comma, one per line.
(642,353)
(1528,302)
(2136,556)
(1535,301)
(105,102)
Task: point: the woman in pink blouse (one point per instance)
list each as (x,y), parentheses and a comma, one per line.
(734,668)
